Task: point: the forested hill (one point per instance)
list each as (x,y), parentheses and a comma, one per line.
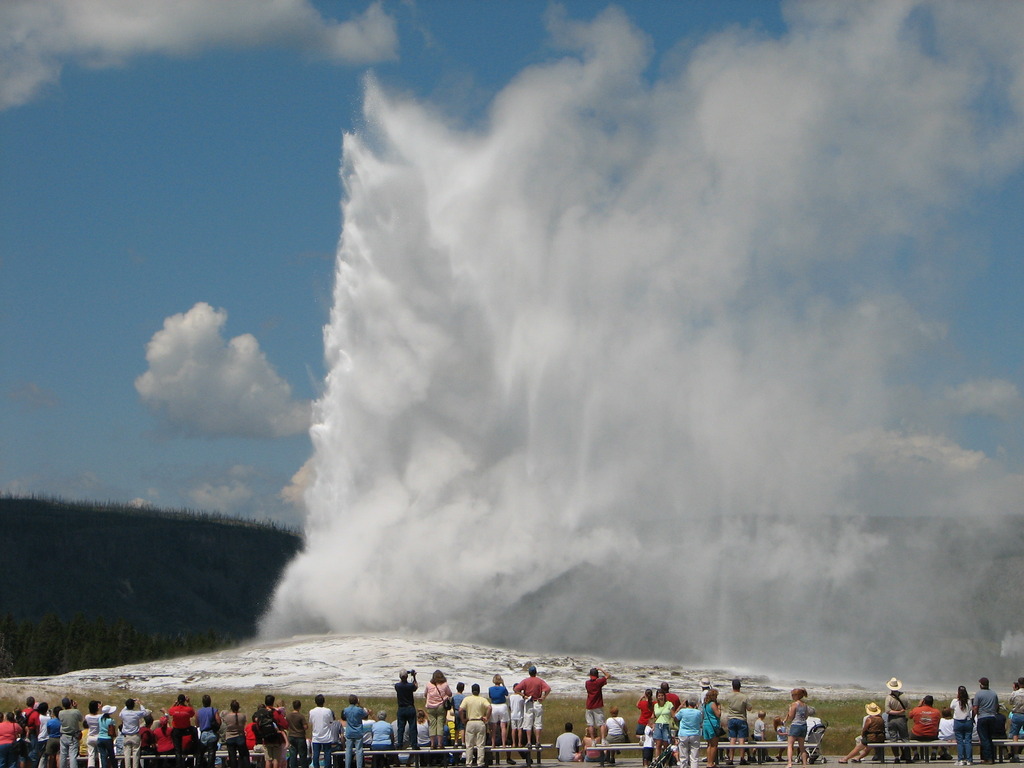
(161,572)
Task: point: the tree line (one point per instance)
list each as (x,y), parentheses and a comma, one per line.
(51,646)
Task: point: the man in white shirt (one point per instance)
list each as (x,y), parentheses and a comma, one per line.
(320,720)
(131,721)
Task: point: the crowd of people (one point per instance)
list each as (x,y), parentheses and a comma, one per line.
(509,722)
(968,720)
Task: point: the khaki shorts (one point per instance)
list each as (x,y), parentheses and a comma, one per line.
(533,716)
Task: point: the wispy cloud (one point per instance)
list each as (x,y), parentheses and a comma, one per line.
(986,397)
(38,37)
(226,494)
(203,385)
(32,396)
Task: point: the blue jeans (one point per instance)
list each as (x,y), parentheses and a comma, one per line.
(354,744)
(33,749)
(738,728)
(407,720)
(1016,725)
(298,757)
(105,753)
(985,727)
(321,749)
(238,752)
(963,730)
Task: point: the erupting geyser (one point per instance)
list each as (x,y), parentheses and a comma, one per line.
(634,366)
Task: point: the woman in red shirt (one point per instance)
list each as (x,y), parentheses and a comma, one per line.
(164,742)
(10,732)
(147,738)
(181,715)
(646,707)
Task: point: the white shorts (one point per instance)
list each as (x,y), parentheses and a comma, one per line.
(595,718)
(533,716)
(499,713)
(516,724)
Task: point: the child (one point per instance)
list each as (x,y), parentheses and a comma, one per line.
(647,740)
(516,707)
(781,733)
(759,726)
(946,732)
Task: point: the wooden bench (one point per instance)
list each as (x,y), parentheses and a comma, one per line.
(417,756)
(1004,748)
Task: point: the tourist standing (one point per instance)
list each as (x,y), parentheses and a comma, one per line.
(594,712)
(70,732)
(132,719)
(353,715)
(534,690)
(797,719)
(405,698)
(438,702)
(320,721)
(234,723)
(896,728)
(498,695)
(986,707)
(181,715)
(712,724)
(963,726)
(476,714)
(106,732)
(737,705)
(208,721)
(298,753)
(690,721)
(646,706)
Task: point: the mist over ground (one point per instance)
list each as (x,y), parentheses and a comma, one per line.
(654,360)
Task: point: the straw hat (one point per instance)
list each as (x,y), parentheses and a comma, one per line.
(894,684)
(873,709)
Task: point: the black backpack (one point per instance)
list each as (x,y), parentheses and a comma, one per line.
(266,729)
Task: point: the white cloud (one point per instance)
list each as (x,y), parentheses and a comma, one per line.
(986,397)
(227,494)
(202,385)
(294,493)
(37,37)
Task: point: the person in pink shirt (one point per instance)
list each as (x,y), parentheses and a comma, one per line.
(437,693)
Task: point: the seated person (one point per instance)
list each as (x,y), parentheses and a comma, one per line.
(381,738)
(872,733)
(568,745)
(925,718)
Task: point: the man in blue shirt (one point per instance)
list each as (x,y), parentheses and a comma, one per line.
(353,715)
(986,707)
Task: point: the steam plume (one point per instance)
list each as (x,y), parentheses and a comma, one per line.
(634,367)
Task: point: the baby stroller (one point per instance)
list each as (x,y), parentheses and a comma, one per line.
(812,744)
(666,759)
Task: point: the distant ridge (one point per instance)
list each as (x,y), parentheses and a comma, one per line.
(165,571)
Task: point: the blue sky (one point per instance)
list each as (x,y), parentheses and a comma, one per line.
(182,167)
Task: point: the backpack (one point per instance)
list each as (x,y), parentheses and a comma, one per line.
(266,729)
